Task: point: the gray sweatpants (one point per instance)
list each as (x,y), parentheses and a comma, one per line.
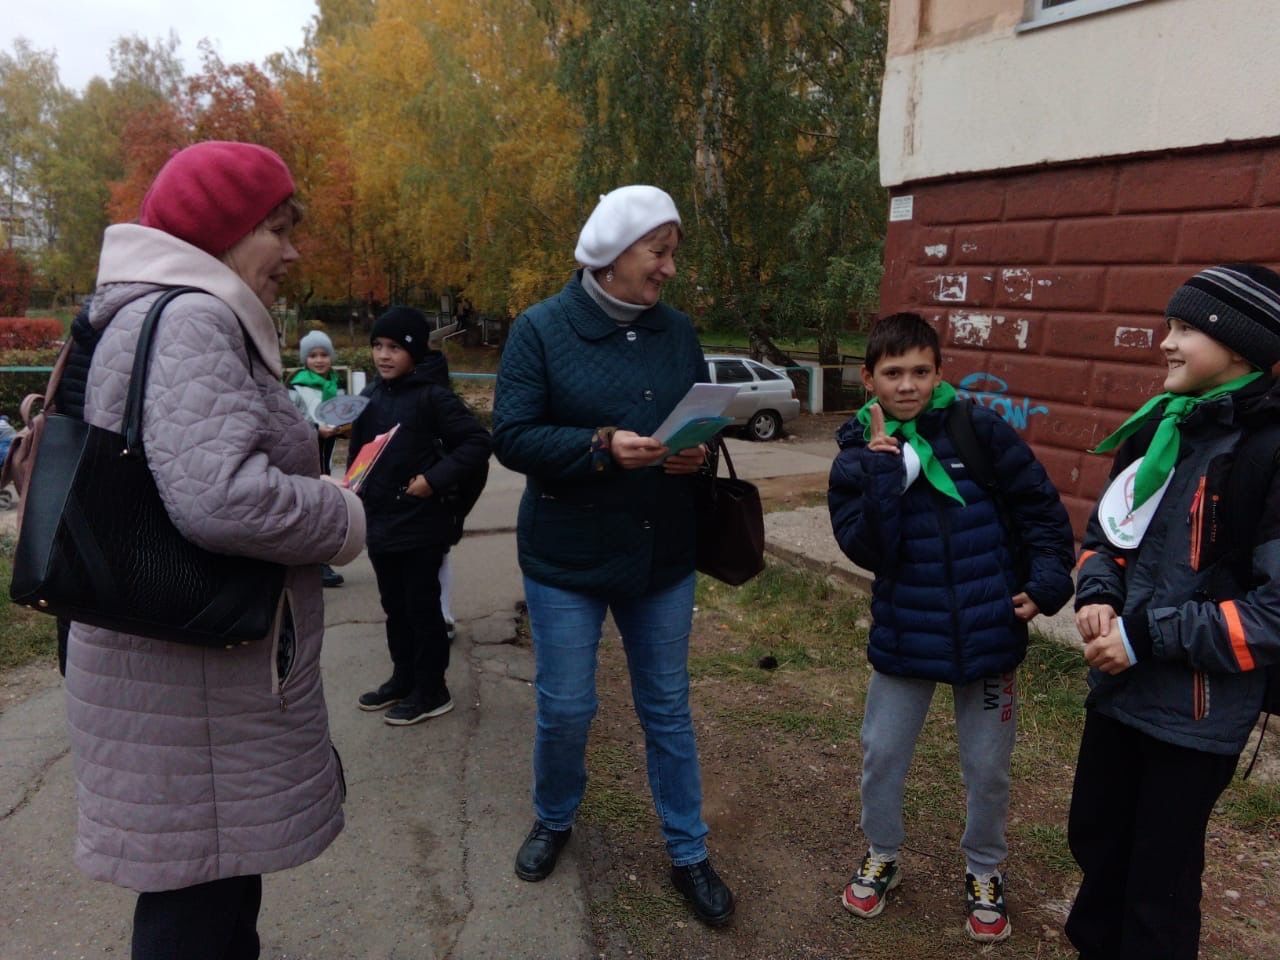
(986,723)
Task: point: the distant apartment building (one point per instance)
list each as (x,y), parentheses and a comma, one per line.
(22,227)
(1056,168)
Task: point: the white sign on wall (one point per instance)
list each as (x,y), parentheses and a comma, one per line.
(900,208)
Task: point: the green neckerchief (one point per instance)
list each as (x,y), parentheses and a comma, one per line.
(328,386)
(1161,456)
(943,396)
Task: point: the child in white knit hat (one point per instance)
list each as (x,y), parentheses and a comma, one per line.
(311,386)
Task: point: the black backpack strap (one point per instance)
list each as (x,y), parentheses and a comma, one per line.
(975,457)
(977,462)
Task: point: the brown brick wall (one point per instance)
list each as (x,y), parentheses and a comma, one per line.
(1049,287)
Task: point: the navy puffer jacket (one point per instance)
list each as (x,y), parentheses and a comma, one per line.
(566,370)
(942,605)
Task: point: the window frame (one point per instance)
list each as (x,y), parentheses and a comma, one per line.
(1036,15)
(730,364)
(764,374)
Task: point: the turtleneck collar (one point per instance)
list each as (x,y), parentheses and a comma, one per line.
(619,311)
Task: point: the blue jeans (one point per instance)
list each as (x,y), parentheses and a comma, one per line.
(655,634)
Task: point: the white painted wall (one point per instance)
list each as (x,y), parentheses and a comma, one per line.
(1152,76)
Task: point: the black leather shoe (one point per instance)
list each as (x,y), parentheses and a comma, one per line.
(330,577)
(538,854)
(711,900)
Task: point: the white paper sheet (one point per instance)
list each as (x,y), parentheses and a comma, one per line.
(702,400)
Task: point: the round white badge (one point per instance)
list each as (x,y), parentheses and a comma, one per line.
(1123,525)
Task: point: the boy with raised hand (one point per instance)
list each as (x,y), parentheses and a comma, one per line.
(1176,648)
(947,605)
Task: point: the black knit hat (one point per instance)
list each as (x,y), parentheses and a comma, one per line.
(1237,304)
(407,327)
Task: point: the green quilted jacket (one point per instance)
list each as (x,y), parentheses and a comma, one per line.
(567,369)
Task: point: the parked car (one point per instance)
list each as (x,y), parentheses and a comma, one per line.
(766,398)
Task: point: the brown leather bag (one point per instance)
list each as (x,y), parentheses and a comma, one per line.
(22,448)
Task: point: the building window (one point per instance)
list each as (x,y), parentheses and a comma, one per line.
(1042,13)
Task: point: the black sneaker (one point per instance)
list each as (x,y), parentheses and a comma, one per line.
(387,694)
(537,856)
(408,712)
(711,899)
(330,577)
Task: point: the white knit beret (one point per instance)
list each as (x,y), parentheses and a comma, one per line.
(621,218)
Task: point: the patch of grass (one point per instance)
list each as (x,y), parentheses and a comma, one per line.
(1250,805)
(1053,689)
(796,616)
(741,665)
(823,726)
(1047,844)
(644,916)
(612,799)
(25,635)
(620,807)
(933,794)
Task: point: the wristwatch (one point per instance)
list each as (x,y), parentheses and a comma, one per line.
(601,441)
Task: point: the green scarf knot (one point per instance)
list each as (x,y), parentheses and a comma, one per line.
(328,386)
(943,396)
(1162,455)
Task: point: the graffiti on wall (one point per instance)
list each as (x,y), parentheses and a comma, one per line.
(992,392)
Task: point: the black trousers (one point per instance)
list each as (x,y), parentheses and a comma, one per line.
(326,453)
(217,920)
(417,637)
(1139,811)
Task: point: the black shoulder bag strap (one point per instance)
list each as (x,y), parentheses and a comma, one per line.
(132,423)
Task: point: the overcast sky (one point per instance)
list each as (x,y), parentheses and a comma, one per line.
(82,31)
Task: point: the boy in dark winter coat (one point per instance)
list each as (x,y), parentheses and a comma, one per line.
(1176,648)
(410,526)
(947,603)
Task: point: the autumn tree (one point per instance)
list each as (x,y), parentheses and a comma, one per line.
(30,96)
(759,116)
(337,263)
(152,115)
(462,147)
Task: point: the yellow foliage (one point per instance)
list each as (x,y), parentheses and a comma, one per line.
(462,148)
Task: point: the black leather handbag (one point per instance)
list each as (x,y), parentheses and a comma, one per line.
(730,523)
(97,546)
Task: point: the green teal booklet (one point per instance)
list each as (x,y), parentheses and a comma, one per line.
(698,416)
(695,431)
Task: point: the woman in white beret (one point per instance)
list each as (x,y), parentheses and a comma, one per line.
(607,522)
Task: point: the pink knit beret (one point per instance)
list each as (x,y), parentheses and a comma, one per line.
(213,194)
